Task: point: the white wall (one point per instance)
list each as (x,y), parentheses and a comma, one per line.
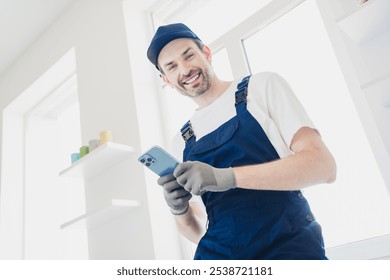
(96,29)
(11,198)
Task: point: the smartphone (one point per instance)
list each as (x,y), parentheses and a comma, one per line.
(159,161)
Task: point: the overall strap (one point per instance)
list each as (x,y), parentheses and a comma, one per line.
(241,94)
(187,133)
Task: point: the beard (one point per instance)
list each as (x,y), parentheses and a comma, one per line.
(199,88)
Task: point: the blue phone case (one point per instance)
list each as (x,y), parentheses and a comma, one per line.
(159,161)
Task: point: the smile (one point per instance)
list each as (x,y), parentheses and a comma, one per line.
(191,80)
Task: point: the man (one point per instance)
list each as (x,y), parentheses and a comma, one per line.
(248,150)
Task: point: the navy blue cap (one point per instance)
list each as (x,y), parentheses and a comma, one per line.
(166,34)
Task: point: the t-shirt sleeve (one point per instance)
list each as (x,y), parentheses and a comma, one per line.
(284,108)
(176,147)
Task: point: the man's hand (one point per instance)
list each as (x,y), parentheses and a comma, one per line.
(175,195)
(198,177)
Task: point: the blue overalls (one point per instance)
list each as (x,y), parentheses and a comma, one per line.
(250,224)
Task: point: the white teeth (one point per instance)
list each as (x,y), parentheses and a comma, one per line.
(191,80)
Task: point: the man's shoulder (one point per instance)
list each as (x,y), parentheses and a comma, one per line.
(266,81)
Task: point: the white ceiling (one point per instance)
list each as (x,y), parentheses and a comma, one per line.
(23,21)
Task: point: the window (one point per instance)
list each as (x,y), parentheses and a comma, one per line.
(357,205)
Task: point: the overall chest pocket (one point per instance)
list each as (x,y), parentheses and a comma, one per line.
(216,138)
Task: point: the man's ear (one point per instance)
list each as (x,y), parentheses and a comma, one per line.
(166,80)
(207,53)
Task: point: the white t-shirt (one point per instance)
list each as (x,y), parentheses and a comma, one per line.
(270,101)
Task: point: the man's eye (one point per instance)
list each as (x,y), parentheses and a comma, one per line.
(171,67)
(189,56)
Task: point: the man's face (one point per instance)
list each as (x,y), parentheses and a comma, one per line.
(185,67)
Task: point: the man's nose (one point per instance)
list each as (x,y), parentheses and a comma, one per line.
(185,70)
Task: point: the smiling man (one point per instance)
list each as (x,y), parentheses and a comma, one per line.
(247,151)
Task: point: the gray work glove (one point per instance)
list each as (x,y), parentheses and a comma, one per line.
(175,195)
(198,177)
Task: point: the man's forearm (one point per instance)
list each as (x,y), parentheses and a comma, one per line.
(291,173)
(311,164)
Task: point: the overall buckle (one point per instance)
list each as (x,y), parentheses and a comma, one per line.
(242,90)
(241,95)
(187,132)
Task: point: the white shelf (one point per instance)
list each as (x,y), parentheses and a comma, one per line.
(107,213)
(367,21)
(100,159)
